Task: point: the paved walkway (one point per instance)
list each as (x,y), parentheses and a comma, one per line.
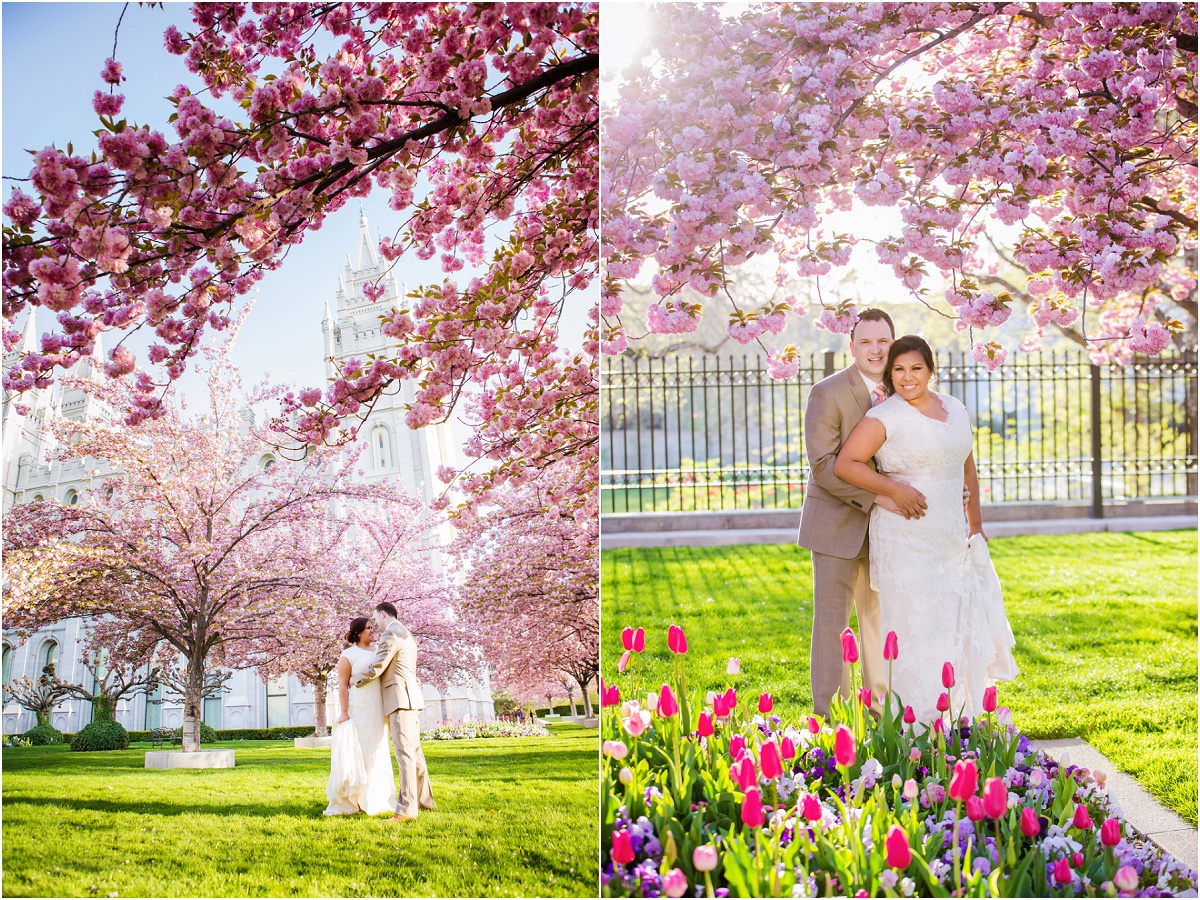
(1163,826)
(735,536)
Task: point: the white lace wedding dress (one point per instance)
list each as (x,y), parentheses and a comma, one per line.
(939,593)
(360,769)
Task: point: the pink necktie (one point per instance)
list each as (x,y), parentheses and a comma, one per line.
(879,394)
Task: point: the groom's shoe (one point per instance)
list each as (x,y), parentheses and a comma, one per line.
(430,806)
(399,818)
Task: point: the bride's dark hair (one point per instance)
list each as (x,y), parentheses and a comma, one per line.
(357,627)
(910,343)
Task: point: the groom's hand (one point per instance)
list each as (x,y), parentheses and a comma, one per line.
(909,500)
(889,504)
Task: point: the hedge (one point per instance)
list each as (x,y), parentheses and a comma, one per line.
(247,734)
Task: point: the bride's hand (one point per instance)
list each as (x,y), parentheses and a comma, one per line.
(976,529)
(345,718)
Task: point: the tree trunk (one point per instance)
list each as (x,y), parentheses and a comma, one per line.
(43,718)
(587,701)
(193,700)
(320,704)
(102,708)
(571,698)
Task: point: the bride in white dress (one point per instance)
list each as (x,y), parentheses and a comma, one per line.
(360,770)
(937,587)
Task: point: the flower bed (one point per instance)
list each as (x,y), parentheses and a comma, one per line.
(454,731)
(703,797)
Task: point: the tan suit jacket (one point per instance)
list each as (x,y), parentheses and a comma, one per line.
(395,666)
(834,517)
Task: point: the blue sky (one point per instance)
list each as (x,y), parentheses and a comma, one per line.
(52,57)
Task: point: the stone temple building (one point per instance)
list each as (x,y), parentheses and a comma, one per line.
(351,330)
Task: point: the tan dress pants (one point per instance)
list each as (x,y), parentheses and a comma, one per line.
(840,585)
(405,725)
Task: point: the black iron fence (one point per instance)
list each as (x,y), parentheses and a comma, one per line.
(716,434)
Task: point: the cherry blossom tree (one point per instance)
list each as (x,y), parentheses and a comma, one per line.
(39,697)
(182,554)
(529,573)
(476,119)
(388,554)
(1040,155)
(112,679)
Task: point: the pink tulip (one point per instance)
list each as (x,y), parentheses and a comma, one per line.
(610,695)
(1062,870)
(768,759)
(939,726)
(676,642)
(909,716)
(898,853)
(637,723)
(947,676)
(704,858)
(1030,826)
(1077,859)
(989,699)
(752,811)
(787,749)
(1082,819)
(995,798)
(891,646)
(975,809)
(737,746)
(1126,879)
(615,749)
(627,638)
(915,754)
(765,703)
(720,707)
(1110,833)
(849,647)
(675,883)
(812,808)
(744,774)
(704,727)
(734,666)
(622,849)
(843,746)
(639,640)
(731,699)
(964,780)
(814,727)
(943,702)
(667,704)
(864,697)
(911,789)
(623,662)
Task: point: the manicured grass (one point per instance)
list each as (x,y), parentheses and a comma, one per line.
(515,817)
(1105,627)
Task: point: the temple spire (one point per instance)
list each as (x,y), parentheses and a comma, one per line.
(366,247)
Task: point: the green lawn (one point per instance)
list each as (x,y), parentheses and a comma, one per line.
(1105,627)
(515,817)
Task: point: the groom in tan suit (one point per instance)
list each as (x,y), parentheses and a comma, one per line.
(395,666)
(833,521)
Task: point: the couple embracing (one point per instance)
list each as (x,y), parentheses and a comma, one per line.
(893,520)
(380,695)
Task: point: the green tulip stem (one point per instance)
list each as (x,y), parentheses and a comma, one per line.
(708,884)
(889,693)
(954,844)
(757,856)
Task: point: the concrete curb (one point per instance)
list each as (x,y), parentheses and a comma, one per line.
(177,759)
(747,536)
(1163,826)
